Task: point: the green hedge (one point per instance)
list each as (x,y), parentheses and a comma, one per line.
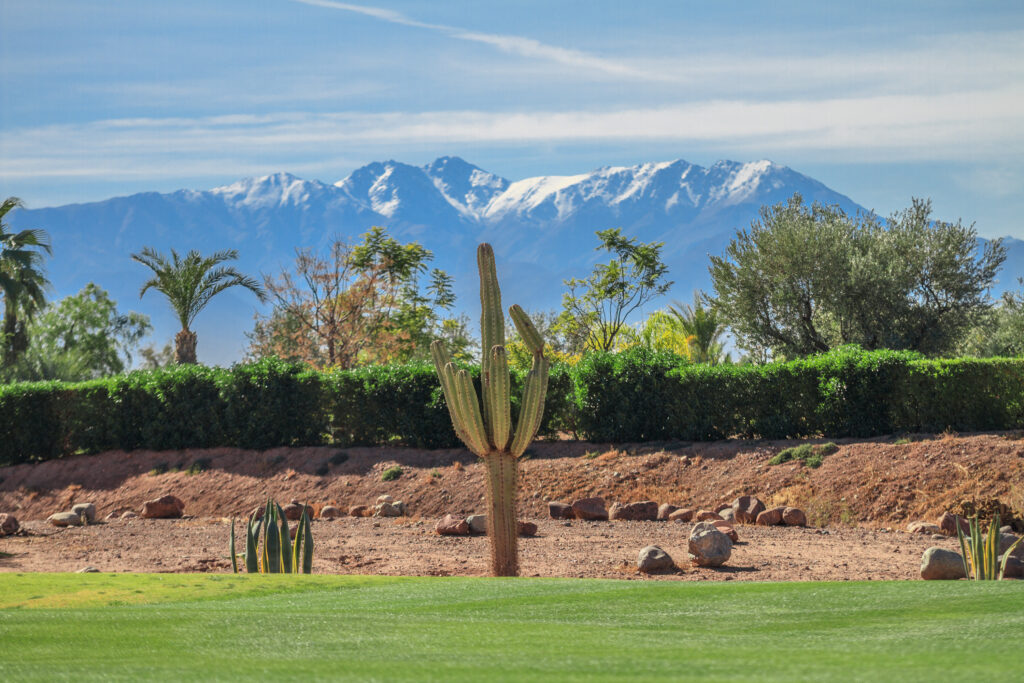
(637,395)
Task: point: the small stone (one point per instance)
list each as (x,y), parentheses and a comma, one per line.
(726,529)
(359,511)
(292,530)
(293,511)
(590,508)
(558,510)
(88,570)
(452,526)
(747,508)
(164,507)
(8,524)
(794,517)
(770,517)
(1006,529)
(566,523)
(653,559)
(331,512)
(88,510)
(664,510)
(384,499)
(527,528)
(644,511)
(706,516)
(64,519)
(112,516)
(938,537)
(708,546)
(129,514)
(682,515)
(728,514)
(948,522)
(389,509)
(939,563)
(477,524)
(923,528)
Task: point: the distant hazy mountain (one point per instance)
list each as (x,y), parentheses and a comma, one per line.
(542,228)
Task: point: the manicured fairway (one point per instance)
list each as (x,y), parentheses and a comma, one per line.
(223,627)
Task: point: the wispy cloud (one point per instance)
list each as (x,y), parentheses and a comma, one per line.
(511,44)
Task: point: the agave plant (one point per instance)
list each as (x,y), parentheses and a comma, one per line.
(275,554)
(980,552)
(488,432)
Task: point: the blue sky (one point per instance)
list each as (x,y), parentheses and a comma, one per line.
(881,101)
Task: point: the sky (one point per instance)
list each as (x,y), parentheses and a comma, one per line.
(880,101)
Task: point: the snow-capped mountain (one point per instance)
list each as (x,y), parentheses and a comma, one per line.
(542,228)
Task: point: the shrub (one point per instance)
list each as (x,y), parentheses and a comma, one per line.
(391,473)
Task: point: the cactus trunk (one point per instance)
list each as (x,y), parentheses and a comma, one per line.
(502,526)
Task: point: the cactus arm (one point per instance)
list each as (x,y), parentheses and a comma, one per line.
(492,319)
(531,337)
(469,414)
(532,410)
(446,375)
(234,558)
(286,541)
(497,394)
(307,545)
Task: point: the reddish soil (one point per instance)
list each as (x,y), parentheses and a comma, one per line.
(860,495)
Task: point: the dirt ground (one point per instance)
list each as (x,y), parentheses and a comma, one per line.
(858,503)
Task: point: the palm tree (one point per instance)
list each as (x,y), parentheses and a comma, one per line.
(706,329)
(189,283)
(22,283)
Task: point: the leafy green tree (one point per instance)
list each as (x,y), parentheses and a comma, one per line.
(154,358)
(596,309)
(22,282)
(189,283)
(81,337)
(704,327)
(1001,333)
(804,280)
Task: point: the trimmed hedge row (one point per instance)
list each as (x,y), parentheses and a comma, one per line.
(633,396)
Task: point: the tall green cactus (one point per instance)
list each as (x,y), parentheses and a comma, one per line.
(488,433)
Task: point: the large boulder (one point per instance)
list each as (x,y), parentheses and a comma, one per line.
(164,507)
(708,546)
(645,511)
(746,509)
(653,559)
(87,510)
(449,525)
(559,510)
(949,521)
(682,515)
(941,564)
(64,519)
(794,517)
(1006,541)
(331,512)
(590,508)
(1014,567)
(770,517)
(8,524)
(664,510)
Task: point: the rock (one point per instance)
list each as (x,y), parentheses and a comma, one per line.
(112,516)
(664,510)
(938,537)
(1014,567)
(794,517)
(747,508)
(590,508)
(452,526)
(129,514)
(708,546)
(770,517)
(293,511)
(728,514)
(1006,540)
(726,529)
(86,509)
(559,510)
(389,509)
(8,524)
(384,499)
(682,515)
(164,507)
(331,512)
(1006,529)
(477,524)
(64,519)
(359,511)
(923,528)
(653,559)
(942,564)
(88,570)
(527,528)
(645,511)
(948,522)
(706,516)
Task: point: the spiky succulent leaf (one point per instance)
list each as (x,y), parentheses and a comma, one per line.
(234,557)
(286,543)
(307,545)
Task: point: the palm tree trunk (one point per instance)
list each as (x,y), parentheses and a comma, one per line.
(185,347)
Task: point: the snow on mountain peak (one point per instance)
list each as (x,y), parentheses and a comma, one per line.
(276,189)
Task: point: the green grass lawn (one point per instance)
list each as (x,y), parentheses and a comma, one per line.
(210,627)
